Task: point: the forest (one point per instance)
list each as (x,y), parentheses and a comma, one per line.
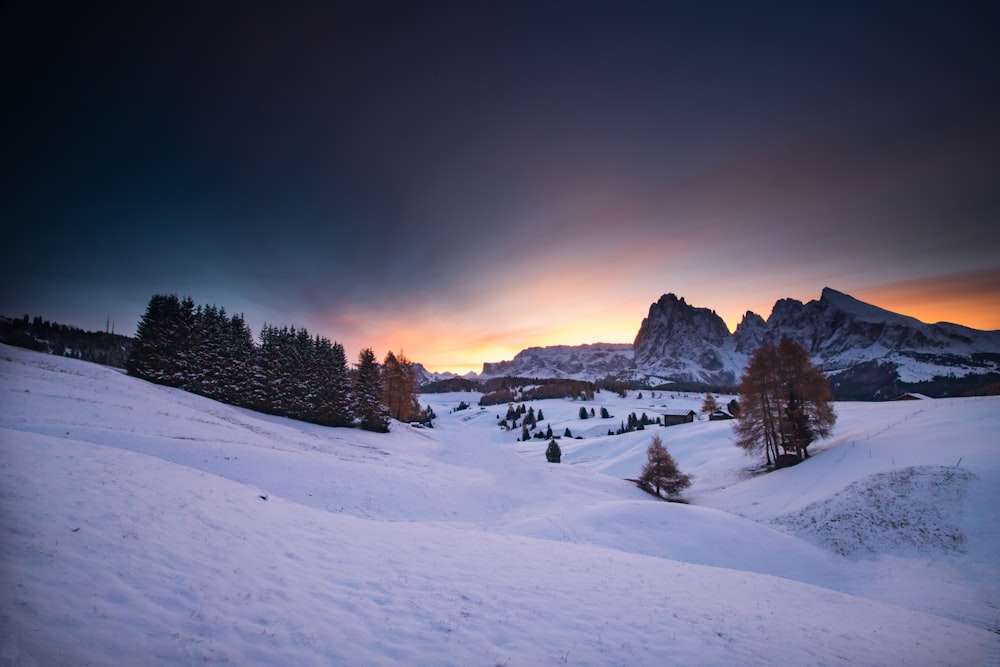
(289,372)
(102,347)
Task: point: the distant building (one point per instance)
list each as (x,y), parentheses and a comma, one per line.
(912,396)
(671,417)
(719,415)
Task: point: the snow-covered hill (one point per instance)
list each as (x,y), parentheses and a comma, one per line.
(140,524)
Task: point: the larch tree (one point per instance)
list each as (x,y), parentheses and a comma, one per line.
(399,387)
(709,404)
(785,403)
(660,473)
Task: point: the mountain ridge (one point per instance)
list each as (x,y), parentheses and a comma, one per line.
(681,343)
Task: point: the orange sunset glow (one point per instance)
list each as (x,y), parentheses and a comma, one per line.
(465,181)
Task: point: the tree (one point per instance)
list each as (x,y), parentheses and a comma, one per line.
(161,350)
(784,403)
(604,413)
(399,387)
(368,394)
(661,472)
(239,353)
(567,433)
(583,413)
(709,404)
(333,394)
(552,453)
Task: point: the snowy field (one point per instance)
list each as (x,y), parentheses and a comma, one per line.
(143,525)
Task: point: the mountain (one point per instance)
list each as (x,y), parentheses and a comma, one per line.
(578,362)
(683,343)
(869,352)
(841,332)
(425,376)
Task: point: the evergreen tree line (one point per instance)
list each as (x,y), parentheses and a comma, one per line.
(101,347)
(290,373)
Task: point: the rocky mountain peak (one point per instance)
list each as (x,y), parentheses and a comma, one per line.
(750,332)
(680,340)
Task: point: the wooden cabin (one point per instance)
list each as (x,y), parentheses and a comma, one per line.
(671,417)
(912,396)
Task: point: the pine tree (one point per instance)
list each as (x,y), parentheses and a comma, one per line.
(209,358)
(661,472)
(604,413)
(332,396)
(239,352)
(552,453)
(583,413)
(368,394)
(162,342)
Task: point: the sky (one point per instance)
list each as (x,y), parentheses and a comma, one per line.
(465,180)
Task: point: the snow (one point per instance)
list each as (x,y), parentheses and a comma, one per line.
(140,524)
(866,312)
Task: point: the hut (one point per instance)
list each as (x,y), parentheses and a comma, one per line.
(912,396)
(671,417)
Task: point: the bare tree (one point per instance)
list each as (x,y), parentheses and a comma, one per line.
(709,404)
(785,403)
(661,472)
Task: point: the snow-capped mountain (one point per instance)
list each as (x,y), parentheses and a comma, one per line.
(683,343)
(579,362)
(425,376)
(841,332)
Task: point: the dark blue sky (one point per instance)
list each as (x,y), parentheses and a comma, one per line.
(463,180)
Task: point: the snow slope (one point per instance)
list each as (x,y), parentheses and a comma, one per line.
(143,525)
